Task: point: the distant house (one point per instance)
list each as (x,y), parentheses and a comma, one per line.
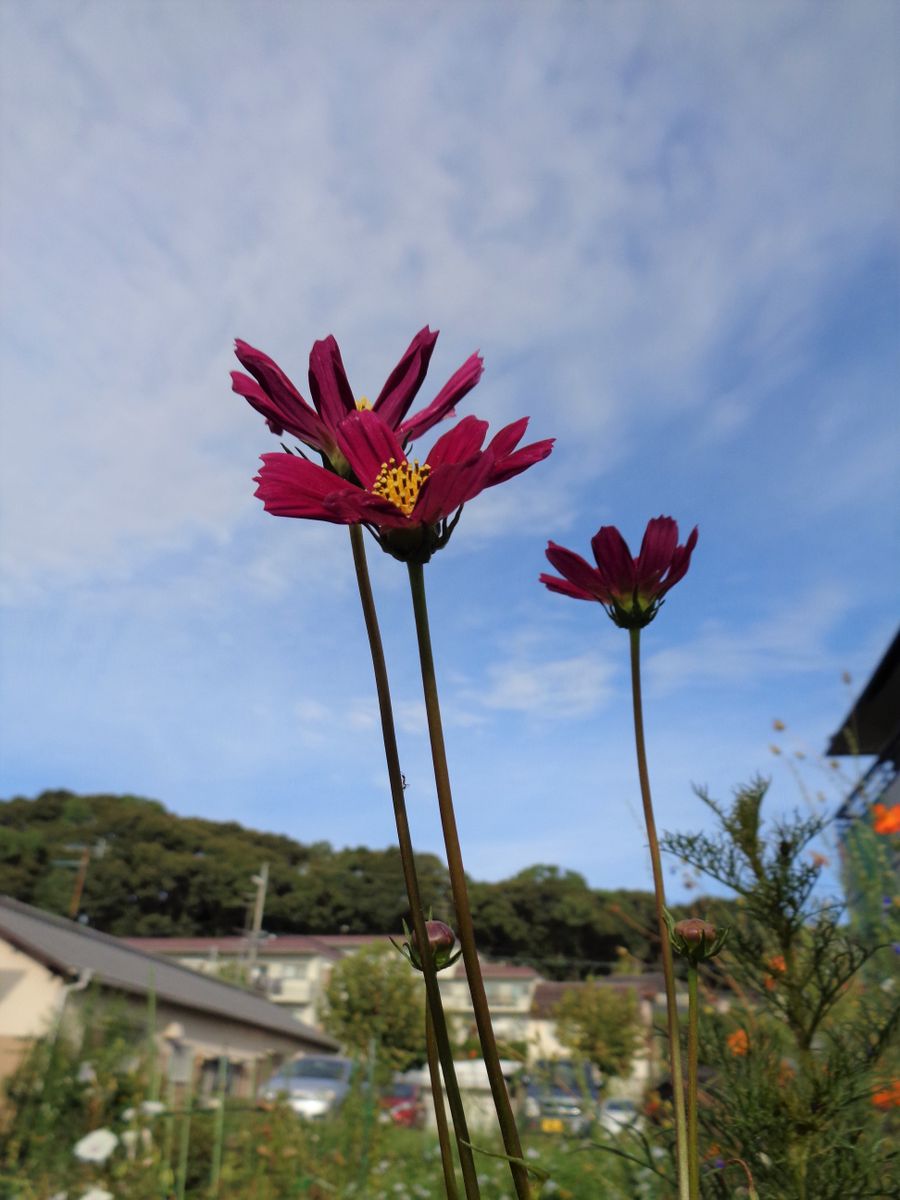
(650,992)
(872,727)
(48,965)
(294,970)
(872,807)
(291,970)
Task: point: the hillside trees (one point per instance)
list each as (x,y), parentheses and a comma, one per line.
(164,875)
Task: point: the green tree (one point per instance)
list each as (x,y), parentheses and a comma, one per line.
(807,1044)
(374,999)
(601,1024)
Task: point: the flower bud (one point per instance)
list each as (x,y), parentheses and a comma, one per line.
(697,940)
(441,939)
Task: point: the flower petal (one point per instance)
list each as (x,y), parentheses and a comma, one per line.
(458,385)
(349,508)
(577,571)
(406,378)
(459,443)
(506,440)
(614,561)
(681,560)
(328,385)
(293,487)
(451,484)
(368,443)
(657,548)
(565,588)
(521,460)
(293,415)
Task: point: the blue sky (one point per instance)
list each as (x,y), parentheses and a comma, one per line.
(670,230)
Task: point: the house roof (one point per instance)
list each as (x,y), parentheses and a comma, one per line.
(872,725)
(66,947)
(548,995)
(280,944)
(497,970)
(328,945)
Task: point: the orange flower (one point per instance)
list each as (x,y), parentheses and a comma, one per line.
(786,1072)
(888,1097)
(738,1042)
(887,820)
(777,966)
(819,860)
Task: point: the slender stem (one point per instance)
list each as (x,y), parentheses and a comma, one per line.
(215,1170)
(465,926)
(184,1139)
(408,861)
(440,1114)
(665,945)
(693,1029)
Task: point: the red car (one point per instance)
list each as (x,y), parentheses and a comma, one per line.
(402,1103)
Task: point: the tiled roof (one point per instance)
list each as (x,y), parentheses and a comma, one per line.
(67,948)
(497,970)
(272,945)
(548,995)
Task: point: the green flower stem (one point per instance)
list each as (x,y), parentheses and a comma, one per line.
(465,927)
(693,1029)
(407,859)
(184,1138)
(665,946)
(215,1170)
(440,1114)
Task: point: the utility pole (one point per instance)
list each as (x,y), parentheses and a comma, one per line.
(262,882)
(79,882)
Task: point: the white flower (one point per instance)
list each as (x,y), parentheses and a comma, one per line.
(153,1107)
(96,1193)
(97,1146)
(86,1073)
(129,1114)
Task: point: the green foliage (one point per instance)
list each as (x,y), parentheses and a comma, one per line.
(552,920)
(602,1025)
(375,1002)
(162,875)
(807,1042)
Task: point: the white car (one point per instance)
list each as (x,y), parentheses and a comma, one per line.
(313,1087)
(616,1115)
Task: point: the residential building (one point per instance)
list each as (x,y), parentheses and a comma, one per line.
(869,817)
(49,966)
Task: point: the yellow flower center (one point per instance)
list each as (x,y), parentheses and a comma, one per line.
(401,483)
(362,404)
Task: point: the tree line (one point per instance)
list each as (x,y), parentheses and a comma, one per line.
(151,873)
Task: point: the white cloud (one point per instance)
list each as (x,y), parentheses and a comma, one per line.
(791,640)
(553,689)
(618,203)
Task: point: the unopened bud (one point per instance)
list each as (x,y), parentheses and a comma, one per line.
(697,940)
(441,939)
(694,930)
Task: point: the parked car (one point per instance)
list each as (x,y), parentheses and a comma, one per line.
(616,1115)
(312,1086)
(402,1103)
(560,1097)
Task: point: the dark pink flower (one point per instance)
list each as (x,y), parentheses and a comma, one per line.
(630,589)
(273,395)
(412,509)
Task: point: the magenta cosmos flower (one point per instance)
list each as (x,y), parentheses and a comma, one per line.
(630,589)
(410,508)
(271,393)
